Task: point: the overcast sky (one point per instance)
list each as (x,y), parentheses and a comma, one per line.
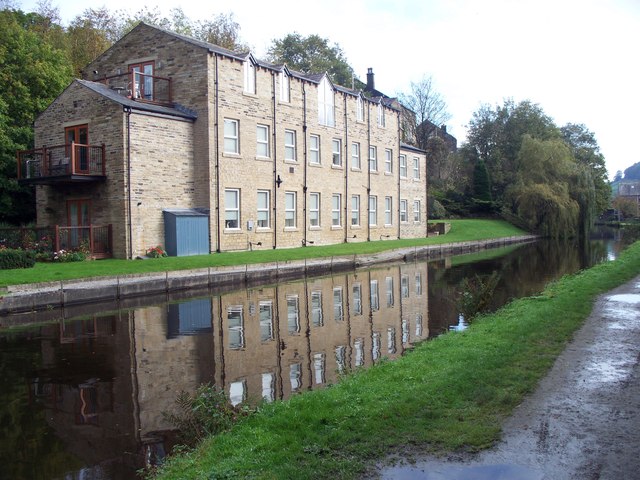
(578,59)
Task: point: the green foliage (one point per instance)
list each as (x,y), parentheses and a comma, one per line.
(633,172)
(11,259)
(203,413)
(311,54)
(32,73)
(156,252)
(474,295)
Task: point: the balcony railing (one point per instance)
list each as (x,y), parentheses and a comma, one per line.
(141,86)
(97,239)
(72,161)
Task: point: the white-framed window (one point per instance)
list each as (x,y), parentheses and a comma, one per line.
(266,320)
(381,119)
(418,283)
(314,209)
(290,145)
(341,358)
(404,205)
(237,392)
(355,210)
(293,314)
(264,209)
(336,152)
(249,77)
(285,87)
(388,210)
(355,156)
(404,286)
(373,158)
(338,313)
(373,210)
(317,318)
(231,136)
(416,168)
(389,286)
(268,387)
(235,322)
(326,103)
(375,346)
(262,141)
(405,330)
(359,109)
(314,149)
(290,210)
(416,211)
(391,340)
(336,210)
(319,366)
(295,376)
(418,325)
(232,208)
(374,297)
(403,166)
(388,160)
(358,348)
(357,299)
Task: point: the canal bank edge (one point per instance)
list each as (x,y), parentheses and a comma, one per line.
(55,295)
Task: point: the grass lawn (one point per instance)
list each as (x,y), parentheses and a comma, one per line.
(448,394)
(461,231)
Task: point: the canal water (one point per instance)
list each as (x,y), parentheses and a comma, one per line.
(84,397)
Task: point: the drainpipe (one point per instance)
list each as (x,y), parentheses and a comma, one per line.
(368,171)
(398,173)
(127,111)
(216,138)
(276,184)
(345,163)
(304,165)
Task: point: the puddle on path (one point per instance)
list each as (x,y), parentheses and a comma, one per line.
(625,298)
(475,472)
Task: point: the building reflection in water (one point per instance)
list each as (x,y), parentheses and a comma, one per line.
(107,382)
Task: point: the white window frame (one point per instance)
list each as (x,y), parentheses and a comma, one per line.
(404,206)
(336,152)
(388,161)
(314,209)
(381,115)
(326,103)
(417,211)
(373,158)
(389,291)
(359,109)
(265,315)
(290,150)
(263,148)
(317,317)
(388,211)
(357,298)
(416,168)
(355,156)
(373,210)
(235,326)
(293,314)
(355,210)
(403,166)
(314,150)
(263,209)
(231,142)
(336,210)
(338,304)
(249,77)
(290,211)
(374,295)
(285,87)
(232,210)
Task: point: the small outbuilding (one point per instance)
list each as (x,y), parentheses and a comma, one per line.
(186,232)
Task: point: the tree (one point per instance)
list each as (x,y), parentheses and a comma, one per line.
(428,106)
(626,207)
(222,30)
(586,151)
(32,74)
(311,54)
(633,172)
(496,136)
(89,35)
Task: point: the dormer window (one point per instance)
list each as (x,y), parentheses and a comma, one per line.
(326,105)
(380,115)
(359,109)
(249,76)
(284,87)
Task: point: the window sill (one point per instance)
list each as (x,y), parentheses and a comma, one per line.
(231,155)
(263,159)
(315,165)
(232,231)
(337,167)
(336,227)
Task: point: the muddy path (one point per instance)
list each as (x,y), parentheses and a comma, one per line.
(583,420)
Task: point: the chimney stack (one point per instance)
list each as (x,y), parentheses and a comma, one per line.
(370,82)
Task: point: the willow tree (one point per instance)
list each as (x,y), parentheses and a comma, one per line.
(542,196)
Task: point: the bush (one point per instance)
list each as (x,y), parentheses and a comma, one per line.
(12,258)
(156,252)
